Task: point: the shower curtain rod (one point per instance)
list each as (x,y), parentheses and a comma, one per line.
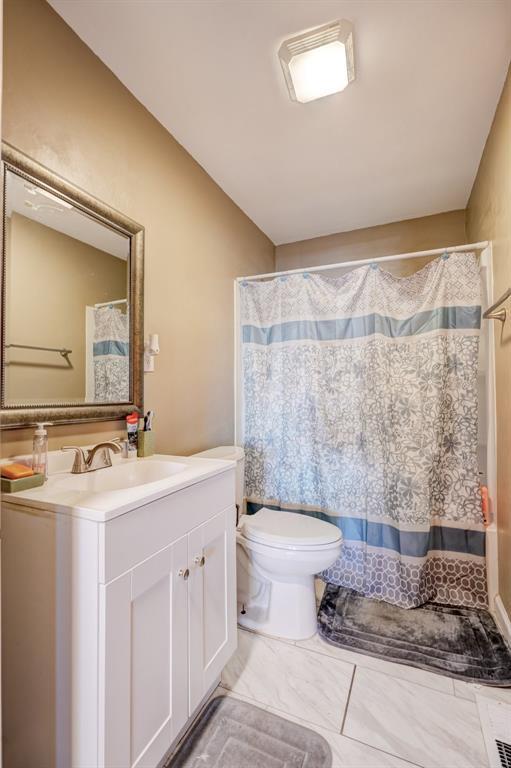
(110,303)
(361,262)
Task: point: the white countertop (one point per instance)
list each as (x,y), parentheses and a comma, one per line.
(92,499)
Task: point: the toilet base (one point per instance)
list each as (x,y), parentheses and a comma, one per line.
(291,612)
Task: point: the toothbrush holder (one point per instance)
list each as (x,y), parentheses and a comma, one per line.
(145,444)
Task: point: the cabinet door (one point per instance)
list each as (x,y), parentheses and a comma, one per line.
(143,637)
(212,602)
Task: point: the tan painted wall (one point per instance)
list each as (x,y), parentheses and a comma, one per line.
(489,217)
(50,279)
(69,112)
(384,240)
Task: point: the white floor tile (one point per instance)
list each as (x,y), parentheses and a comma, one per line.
(294,681)
(221,691)
(348,753)
(414,722)
(401,671)
(469,690)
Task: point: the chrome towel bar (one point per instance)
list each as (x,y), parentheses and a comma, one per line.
(61,350)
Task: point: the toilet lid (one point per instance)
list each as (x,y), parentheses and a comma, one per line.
(288,529)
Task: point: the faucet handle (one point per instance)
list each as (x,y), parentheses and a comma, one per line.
(79,461)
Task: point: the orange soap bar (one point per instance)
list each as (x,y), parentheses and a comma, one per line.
(15,471)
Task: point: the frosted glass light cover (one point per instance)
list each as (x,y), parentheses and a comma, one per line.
(319,62)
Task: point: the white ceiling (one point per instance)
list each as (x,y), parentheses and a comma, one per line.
(403,140)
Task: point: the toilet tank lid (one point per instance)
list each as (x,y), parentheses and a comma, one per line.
(227,452)
(288,528)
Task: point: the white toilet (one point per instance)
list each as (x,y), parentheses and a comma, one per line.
(278,554)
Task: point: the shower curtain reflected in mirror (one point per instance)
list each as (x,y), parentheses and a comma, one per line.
(360,408)
(111,355)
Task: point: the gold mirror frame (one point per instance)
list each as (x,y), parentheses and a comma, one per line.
(20,415)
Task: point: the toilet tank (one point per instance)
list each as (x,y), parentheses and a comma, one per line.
(230,453)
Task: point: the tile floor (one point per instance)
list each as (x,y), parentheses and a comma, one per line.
(373,713)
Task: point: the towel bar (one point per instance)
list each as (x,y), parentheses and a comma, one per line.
(61,350)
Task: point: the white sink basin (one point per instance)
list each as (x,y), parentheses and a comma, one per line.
(120,476)
(107,493)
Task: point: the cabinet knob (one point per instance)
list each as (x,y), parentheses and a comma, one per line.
(200,560)
(184,572)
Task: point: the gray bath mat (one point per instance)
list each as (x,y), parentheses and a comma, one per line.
(460,642)
(233,734)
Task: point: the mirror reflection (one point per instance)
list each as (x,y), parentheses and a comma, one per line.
(66,302)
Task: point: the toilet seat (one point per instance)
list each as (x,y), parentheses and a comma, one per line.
(289,530)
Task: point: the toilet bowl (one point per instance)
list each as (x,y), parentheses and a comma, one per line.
(277,557)
(278,554)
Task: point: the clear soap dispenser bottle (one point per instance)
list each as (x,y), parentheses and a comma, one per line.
(40,449)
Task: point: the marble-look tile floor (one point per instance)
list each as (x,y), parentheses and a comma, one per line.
(374,714)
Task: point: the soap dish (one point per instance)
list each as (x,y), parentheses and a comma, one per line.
(22,483)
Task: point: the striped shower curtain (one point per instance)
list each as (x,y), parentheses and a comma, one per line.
(111,356)
(360,408)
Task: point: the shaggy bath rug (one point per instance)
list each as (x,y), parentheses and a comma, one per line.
(232,734)
(460,642)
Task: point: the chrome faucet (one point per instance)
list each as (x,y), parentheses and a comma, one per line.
(98,457)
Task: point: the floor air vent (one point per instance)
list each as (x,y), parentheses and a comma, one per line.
(504,751)
(496,724)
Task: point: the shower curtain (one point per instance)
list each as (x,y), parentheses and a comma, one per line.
(360,408)
(111,355)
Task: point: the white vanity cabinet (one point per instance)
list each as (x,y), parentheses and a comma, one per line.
(140,616)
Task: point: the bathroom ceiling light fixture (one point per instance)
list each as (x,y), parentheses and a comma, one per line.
(38,191)
(319,62)
(43,207)
(54,198)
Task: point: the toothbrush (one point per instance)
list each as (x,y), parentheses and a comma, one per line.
(148,425)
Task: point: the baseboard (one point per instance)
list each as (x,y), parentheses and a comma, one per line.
(502,618)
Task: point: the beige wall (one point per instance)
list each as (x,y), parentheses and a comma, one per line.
(50,279)
(86,126)
(64,108)
(384,240)
(489,217)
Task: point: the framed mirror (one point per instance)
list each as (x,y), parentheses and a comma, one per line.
(72,301)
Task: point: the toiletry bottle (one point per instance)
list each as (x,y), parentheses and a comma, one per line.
(485,505)
(132,434)
(40,449)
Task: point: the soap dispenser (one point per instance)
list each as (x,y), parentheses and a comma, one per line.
(40,449)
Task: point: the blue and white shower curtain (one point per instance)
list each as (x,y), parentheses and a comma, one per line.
(360,408)
(111,355)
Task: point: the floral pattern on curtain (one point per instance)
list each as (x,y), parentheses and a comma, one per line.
(360,408)
(111,355)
